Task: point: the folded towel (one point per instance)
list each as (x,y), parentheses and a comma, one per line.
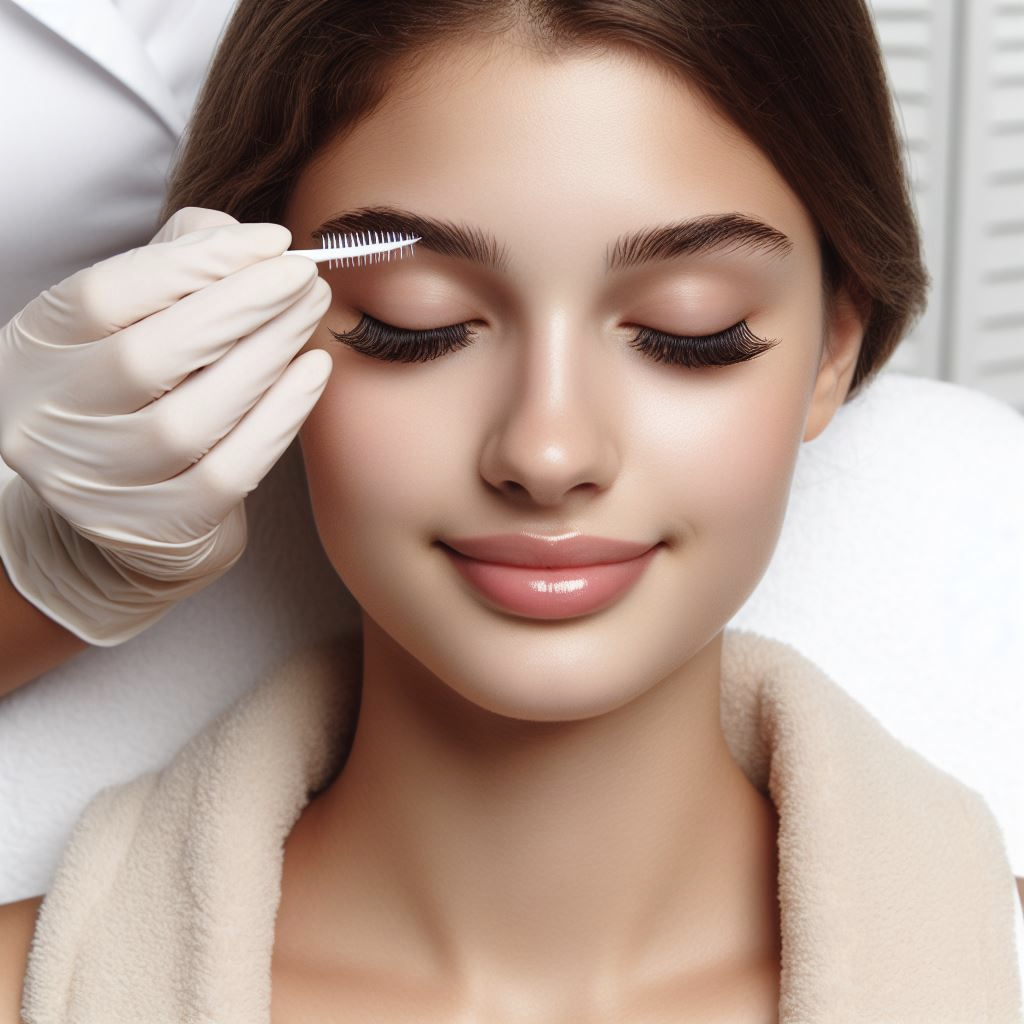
(897,899)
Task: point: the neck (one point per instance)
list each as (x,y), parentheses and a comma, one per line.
(579,859)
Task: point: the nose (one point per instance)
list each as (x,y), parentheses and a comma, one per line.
(555,431)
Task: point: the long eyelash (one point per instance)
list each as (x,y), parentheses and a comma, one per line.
(396,344)
(383,341)
(735,344)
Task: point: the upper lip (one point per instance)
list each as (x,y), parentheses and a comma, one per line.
(546,552)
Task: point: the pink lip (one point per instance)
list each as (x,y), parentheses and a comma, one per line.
(546,579)
(547,552)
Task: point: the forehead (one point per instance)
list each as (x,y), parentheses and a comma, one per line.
(501,135)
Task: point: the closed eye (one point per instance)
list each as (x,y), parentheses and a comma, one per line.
(379,340)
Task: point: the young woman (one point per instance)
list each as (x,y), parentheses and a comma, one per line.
(660,245)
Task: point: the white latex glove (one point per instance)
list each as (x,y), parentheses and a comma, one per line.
(141,400)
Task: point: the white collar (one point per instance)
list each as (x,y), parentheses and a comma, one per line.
(98,29)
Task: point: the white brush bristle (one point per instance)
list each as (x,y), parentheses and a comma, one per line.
(341,242)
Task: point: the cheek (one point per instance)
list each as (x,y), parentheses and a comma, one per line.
(722,453)
(758,438)
(371,448)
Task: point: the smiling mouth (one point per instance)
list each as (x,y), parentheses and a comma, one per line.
(547,592)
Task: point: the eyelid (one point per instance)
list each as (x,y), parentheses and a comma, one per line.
(696,336)
(411,331)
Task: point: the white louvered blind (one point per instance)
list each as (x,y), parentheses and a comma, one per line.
(916,38)
(957,70)
(988,320)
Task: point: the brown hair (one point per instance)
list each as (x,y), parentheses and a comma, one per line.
(804,80)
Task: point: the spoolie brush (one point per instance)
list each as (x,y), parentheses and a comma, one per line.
(359,248)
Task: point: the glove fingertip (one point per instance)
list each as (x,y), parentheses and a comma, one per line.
(190,219)
(317,366)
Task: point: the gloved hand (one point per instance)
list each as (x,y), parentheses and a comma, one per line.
(141,400)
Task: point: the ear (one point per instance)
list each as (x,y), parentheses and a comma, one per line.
(844,332)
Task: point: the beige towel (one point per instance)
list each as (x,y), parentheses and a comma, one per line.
(896,892)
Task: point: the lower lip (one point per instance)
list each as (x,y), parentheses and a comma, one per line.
(551,593)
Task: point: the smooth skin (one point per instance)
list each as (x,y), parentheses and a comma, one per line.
(31,641)
(541,821)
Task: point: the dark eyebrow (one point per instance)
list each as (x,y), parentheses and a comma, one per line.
(715,232)
(721,232)
(466,243)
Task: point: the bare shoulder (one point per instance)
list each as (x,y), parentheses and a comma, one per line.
(1020,891)
(17,926)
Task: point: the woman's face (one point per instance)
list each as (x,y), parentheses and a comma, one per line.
(546,417)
